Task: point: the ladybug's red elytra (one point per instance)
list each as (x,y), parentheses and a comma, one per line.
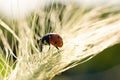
(53,39)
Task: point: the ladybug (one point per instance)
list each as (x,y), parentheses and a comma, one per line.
(53,39)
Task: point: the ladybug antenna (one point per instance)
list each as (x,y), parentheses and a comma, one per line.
(38,41)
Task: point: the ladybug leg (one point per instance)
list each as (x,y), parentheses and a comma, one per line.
(40,45)
(49,48)
(57,47)
(41,48)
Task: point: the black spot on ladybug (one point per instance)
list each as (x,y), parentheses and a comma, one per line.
(55,42)
(58,37)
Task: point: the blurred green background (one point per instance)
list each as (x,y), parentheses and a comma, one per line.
(105,66)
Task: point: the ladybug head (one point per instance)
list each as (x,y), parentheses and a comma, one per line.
(45,40)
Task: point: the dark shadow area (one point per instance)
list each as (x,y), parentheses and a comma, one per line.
(104,66)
